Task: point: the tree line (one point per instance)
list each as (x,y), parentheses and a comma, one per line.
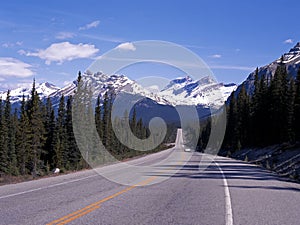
(270,115)
(35,138)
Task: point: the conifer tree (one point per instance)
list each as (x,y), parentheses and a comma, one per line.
(4,137)
(290,132)
(49,133)
(13,166)
(60,136)
(98,119)
(74,155)
(37,132)
(23,143)
(243,113)
(297,106)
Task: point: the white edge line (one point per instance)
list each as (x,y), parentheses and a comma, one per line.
(49,186)
(59,184)
(229,215)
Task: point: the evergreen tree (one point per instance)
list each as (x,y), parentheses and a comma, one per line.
(98,119)
(232,135)
(278,111)
(133,122)
(23,143)
(297,107)
(243,114)
(254,112)
(37,132)
(60,157)
(74,155)
(105,120)
(49,133)
(290,135)
(4,137)
(13,126)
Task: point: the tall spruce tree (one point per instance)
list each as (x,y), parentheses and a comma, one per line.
(49,133)
(290,135)
(60,157)
(278,99)
(23,143)
(37,132)
(74,155)
(243,114)
(4,138)
(297,107)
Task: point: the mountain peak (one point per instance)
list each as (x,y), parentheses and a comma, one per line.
(291,61)
(43,89)
(295,49)
(180,91)
(292,56)
(180,80)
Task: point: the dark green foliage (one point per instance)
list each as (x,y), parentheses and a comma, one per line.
(35,139)
(74,155)
(4,161)
(37,133)
(270,116)
(60,136)
(296,126)
(49,133)
(23,139)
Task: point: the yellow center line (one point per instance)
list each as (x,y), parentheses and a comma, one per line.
(81,212)
(79,215)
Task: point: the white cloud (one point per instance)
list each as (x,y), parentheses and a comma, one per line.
(22,52)
(126,46)
(64,51)
(11,67)
(10,86)
(288,41)
(230,67)
(88,26)
(10,45)
(65,83)
(216,56)
(64,35)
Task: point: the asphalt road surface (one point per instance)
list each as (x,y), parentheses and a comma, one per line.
(204,190)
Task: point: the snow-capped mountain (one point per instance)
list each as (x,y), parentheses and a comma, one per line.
(180,91)
(44,90)
(291,60)
(185,91)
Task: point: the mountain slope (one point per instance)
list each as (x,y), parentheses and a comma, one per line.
(291,60)
(44,90)
(180,91)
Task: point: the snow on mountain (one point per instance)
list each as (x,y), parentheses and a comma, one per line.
(201,92)
(292,56)
(43,90)
(180,91)
(290,59)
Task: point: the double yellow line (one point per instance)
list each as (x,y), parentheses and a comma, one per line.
(96,205)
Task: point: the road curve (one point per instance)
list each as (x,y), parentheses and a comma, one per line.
(226,192)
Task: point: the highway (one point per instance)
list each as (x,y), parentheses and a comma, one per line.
(204,190)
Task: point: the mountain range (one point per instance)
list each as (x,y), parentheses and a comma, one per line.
(204,92)
(180,91)
(290,59)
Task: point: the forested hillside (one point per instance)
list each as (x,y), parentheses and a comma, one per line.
(270,116)
(35,139)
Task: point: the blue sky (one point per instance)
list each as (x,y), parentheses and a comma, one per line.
(52,40)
